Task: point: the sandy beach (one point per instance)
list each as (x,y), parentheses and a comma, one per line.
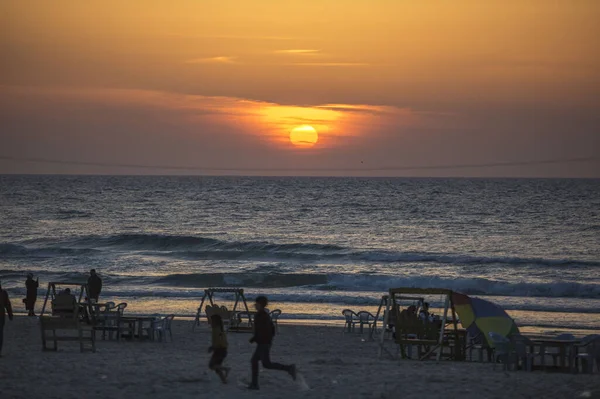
(333,365)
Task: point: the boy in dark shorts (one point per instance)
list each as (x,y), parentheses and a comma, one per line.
(264,331)
(218,348)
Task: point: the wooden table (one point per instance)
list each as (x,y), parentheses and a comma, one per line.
(561,344)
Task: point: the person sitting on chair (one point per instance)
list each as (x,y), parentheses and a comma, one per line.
(64,302)
(424,312)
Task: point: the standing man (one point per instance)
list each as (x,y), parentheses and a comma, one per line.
(31,297)
(94,285)
(4,304)
(264,331)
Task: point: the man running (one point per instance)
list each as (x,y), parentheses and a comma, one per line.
(264,331)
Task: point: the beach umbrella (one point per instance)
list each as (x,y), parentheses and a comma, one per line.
(479,316)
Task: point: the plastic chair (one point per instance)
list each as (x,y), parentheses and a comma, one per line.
(590,345)
(120,308)
(110,305)
(365,318)
(555,353)
(167,326)
(502,350)
(474,343)
(351,320)
(521,343)
(275,318)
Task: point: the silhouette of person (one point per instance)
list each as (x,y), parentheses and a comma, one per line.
(264,331)
(94,285)
(31,297)
(5,308)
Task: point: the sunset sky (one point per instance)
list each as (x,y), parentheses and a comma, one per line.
(219,86)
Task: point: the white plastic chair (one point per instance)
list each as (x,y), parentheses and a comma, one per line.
(473,343)
(275,318)
(157,328)
(521,343)
(167,326)
(554,352)
(365,318)
(121,308)
(502,350)
(351,320)
(590,353)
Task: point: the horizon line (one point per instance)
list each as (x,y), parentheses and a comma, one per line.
(300,170)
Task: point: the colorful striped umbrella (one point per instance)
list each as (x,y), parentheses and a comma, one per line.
(479,316)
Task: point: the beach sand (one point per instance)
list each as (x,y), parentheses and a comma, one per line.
(333,365)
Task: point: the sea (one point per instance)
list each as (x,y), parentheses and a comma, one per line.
(315,246)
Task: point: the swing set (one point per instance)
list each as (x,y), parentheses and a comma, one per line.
(430,337)
(70,315)
(232,318)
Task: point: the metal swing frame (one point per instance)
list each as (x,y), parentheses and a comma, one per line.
(208,296)
(67,322)
(436,346)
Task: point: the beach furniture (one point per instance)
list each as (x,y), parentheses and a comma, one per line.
(556,353)
(158,327)
(109,321)
(232,321)
(239,300)
(351,320)
(479,344)
(565,349)
(502,350)
(391,316)
(365,319)
(588,352)
(431,337)
(479,316)
(69,318)
(524,349)
(275,318)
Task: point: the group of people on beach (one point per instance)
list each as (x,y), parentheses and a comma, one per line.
(94,283)
(264,332)
(264,329)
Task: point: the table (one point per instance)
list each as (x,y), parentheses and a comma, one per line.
(561,344)
(136,323)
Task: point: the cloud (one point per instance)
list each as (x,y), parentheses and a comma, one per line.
(212,60)
(297,51)
(331,64)
(268,122)
(232,37)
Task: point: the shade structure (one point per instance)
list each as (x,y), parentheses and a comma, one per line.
(479,316)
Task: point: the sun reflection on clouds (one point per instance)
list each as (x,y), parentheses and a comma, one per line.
(270,123)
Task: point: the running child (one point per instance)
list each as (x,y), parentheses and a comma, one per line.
(218,348)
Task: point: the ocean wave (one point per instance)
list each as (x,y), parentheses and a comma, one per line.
(381,283)
(338,283)
(203,248)
(72,214)
(14,250)
(270,280)
(162,242)
(472,286)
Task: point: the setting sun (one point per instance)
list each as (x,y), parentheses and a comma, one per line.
(304,136)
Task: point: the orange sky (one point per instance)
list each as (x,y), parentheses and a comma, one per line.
(222,83)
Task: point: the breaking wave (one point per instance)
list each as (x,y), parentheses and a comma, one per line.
(205,248)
